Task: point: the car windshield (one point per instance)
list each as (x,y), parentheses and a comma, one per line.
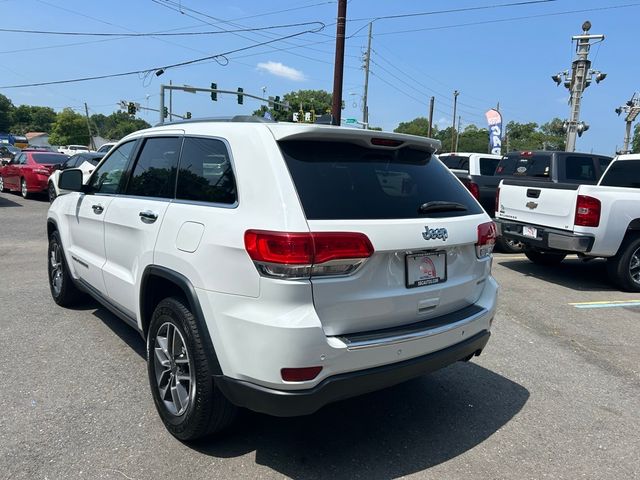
(49,158)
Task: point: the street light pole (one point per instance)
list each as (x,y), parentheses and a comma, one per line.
(632,109)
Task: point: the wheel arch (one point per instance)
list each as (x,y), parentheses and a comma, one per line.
(158,283)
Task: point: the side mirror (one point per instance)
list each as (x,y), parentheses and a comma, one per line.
(70,179)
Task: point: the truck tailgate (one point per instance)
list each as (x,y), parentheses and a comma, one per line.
(538,203)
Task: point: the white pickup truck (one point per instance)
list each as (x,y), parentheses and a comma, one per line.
(603,220)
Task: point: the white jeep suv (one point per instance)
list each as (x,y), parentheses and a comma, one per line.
(276,267)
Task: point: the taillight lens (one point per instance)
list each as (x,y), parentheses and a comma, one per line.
(587,211)
(473,188)
(487,234)
(41,171)
(497,209)
(300,255)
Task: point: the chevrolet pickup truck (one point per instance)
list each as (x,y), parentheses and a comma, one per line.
(555,219)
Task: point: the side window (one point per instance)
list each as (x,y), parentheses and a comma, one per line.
(22,159)
(71,163)
(580,168)
(205,173)
(18,160)
(488,166)
(155,171)
(107,178)
(604,163)
(623,173)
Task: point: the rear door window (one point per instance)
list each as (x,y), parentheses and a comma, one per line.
(456,162)
(488,166)
(340,181)
(579,169)
(155,171)
(623,173)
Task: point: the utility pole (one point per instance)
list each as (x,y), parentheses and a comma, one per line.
(453,127)
(577,81)
(170,101)
(632,109)
(91,142)
(365,97)
(431,101)
(458,133)
(338,69)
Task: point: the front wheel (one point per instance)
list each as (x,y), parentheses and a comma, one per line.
(52,192)
(23,189)
(63,290)
(181,379)
(624,267)
(543,257)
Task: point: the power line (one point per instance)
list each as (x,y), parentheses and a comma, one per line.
(162,68)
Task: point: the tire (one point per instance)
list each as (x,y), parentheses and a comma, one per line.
(181,379)
(507,245)
(63,290)
(23,189)
(543,257)
(2,189)
(624,267)
(52,192)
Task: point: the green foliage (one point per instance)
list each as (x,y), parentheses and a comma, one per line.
(417,126)
(530,136)
(6,114)
(635,144)
(31,118)
(69,128)
(307,100)
(116,125)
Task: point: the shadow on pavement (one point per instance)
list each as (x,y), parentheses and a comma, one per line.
(5,202)
(387,434)
(571,273)
(126,333)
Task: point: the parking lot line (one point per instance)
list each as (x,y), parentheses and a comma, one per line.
(607,304)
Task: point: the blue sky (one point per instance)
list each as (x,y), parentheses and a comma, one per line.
(413,58)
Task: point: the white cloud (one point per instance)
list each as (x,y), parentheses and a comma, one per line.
(280,70)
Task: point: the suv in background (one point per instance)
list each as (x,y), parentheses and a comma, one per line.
(84,161)
(277,267)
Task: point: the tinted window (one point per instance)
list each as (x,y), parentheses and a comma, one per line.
(456,162)
(107,178)
(72,162)
(624,173)
(604,163)
(579,169)
(205,172)
(488,165)
(338,181)
(48,158)
(155,171)
(527,165)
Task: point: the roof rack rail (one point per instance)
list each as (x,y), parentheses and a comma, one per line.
(235,118)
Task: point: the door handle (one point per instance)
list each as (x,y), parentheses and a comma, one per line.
(148,216)
(97,209)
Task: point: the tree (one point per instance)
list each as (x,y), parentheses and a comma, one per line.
(116,125)
(635,144)
(6,114)
(69,128)
(528,136)
(474,139)
(305,100)
(31,118)
(417,126)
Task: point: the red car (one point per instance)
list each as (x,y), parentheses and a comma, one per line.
(29,171)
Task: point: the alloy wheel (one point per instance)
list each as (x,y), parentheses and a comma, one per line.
(1,184)
(634,266)
(52,193)
(173,369)
(23,188)
(57,272)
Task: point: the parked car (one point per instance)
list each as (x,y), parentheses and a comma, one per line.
(84,161)
(42,148)
(477,172)
(29,171)
(106,147)
(7,152)
(313,264)
(73,149)
(593,221)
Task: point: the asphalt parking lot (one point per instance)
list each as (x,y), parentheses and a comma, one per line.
(556,394)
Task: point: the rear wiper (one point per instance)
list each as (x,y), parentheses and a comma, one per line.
(439,206)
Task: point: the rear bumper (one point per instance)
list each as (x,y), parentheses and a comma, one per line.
(547,238)
(291,403)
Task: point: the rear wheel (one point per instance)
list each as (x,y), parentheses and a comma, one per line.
(624,267)
(23,189)
(508,245)
(52,192)
(543,257)
(181,379)
(63,290)
(1,184)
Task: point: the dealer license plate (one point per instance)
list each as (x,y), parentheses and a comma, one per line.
(530,231)
(425,268)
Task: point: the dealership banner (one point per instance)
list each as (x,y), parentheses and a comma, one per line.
(494,119)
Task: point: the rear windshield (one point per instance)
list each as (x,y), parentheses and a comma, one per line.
(49,158)
(456,162)
(340,181)
(623,173)
(535,165)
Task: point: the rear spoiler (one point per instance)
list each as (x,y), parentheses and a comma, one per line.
(365,138)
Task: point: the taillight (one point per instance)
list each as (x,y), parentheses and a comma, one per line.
(487,234)
(497,208)
(587,211)
(473,188)
(300,374)
(41,171)
(300,255)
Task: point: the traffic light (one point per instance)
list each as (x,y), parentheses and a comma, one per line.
(214,95)
(165,112)
(188,116)
(276,104)
(131,108)
(240,96)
